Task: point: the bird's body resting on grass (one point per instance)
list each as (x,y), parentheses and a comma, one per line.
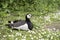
(22,24)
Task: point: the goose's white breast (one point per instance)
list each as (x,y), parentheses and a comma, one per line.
(23,27)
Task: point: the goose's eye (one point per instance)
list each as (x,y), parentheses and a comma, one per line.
(29,16)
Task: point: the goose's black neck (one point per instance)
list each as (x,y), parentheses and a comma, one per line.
(27,19)
(30,26)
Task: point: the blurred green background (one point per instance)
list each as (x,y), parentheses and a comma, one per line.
(46,19)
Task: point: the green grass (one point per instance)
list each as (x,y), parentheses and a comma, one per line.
(38,32)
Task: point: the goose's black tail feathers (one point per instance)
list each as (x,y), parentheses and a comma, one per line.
(9,21)
(9,24)
(13,21)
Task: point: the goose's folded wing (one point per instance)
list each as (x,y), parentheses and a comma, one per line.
(16,21)
(19,23)
(13,21)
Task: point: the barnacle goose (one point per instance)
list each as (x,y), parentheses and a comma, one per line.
(22,24)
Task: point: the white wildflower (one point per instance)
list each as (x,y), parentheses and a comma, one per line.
(55,34)
(48,36)
(4,35)
(36,31)
(11,35)
(47,18)
(32,38)
(40,17)
(30,35)
(54,29)
(0,33)
(16,39)
(51,37)
(33,32)
(39,34)
(23,39)
(58,13)
(18,34)
(2,28)
(41,39)
(49,30)
(29,31)
(37,27)
(44,32)
(10,30)
(36,37)
(43,29)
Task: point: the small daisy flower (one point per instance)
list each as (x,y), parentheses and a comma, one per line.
(4,35)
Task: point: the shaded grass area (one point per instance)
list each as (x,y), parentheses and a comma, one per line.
(38,32)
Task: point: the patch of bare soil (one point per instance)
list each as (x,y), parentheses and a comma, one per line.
(53,26)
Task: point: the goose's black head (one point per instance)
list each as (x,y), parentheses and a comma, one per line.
(28,16)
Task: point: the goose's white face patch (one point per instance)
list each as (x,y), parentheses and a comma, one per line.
(11,22)
(29,16)
(22,27)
